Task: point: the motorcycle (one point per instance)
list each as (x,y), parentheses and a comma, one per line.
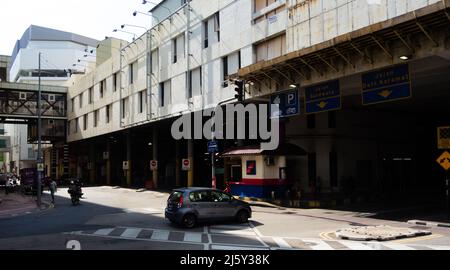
(75,193)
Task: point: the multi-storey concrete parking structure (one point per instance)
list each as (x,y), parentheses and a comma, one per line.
(337,63)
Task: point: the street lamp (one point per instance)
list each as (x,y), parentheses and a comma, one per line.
(117,30)
(160,5)
(130,25)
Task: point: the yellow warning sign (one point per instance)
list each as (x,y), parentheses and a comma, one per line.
(444,160)
(444,138)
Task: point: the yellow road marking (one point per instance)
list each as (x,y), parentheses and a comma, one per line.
(326,235)
(409,240)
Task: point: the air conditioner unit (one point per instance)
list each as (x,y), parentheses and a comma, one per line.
(23,96)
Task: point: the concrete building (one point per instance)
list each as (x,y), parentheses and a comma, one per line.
(60,51)
(120,114)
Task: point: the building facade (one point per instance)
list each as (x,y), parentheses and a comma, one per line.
(120,114)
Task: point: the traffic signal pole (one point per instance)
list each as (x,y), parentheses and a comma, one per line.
(39,157)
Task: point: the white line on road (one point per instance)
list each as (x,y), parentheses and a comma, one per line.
(318,245)
(221,247)
(193,237)
(235,232)
(281,243)
(397,246)
(160,235)
(104,232)
(131,233)
(355,245)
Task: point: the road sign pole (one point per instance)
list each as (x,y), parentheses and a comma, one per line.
(447,191)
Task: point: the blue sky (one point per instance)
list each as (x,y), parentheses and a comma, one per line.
(91,18)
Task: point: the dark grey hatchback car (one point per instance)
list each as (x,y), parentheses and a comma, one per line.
(188,206)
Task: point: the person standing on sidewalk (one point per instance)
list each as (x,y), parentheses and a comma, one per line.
(53,189)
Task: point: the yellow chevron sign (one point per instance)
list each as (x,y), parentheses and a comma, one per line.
(385,93)
(322,104)
(444,160)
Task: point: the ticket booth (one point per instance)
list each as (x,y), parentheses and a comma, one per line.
(257,173)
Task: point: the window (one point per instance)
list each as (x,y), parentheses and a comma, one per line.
(333,169)
(220,197)
(132,72)
(115,82)
(108,113)
(195,82)
(174,50)
(76,125)
(124,107)
(161,95)
(96,118)
(90,96)
(85,122)
(81,100)
(217,25)
(225,71)
(141,101)
(73,104)
(102,88)
(271,48)
(311,121)
(200,196)
(206,34)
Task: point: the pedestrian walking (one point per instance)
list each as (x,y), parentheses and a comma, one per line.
(53,188)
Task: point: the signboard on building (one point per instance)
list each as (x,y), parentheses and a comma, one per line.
(444,160)
(186,164)
(251,167)
(288,102)
(323,97)
(386,85)
(443,138)
(153,165)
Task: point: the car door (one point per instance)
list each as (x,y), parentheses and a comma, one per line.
(201,202)
(223,205)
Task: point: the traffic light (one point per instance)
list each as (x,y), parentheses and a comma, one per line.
(239,90)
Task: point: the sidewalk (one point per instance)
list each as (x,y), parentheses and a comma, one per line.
(15,204)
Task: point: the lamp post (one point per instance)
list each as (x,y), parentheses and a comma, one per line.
(39,157)
(117,30)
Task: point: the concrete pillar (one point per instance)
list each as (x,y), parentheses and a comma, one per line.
(177,164)
(155,156)
(128,172)
(92,169)
(191,158)
(108,163)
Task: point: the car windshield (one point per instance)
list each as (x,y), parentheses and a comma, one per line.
(175,197)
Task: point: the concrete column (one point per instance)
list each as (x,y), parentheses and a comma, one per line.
(155,156)
(92,170)
(108,163)
(177,164)
(128,172)
(191,158)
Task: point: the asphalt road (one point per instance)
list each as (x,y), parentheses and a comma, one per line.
(118,219)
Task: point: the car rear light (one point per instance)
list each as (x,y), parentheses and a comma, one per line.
(180,204)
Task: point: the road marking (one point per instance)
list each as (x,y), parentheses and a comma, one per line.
(193,237)
(104,232)
(355,245)
(397,247)
(222,247)
(160,235)
(281,243)
(415,239)
(131,233)
(326,235)
(319,244)
(237,232)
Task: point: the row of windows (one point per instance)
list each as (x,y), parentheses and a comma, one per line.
(124,111)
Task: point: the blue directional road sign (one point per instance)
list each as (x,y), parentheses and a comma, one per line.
(323,97)
(386,85)
(213,147)
(288,102)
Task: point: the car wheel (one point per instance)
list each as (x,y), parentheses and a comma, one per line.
(242,216)
(189,221)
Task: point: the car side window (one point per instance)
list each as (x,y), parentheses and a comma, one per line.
(220,197)
(200,196)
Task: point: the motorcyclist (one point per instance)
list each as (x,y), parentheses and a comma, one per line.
(75,186)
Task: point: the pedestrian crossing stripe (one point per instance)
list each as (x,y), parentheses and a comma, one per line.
(267,243)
